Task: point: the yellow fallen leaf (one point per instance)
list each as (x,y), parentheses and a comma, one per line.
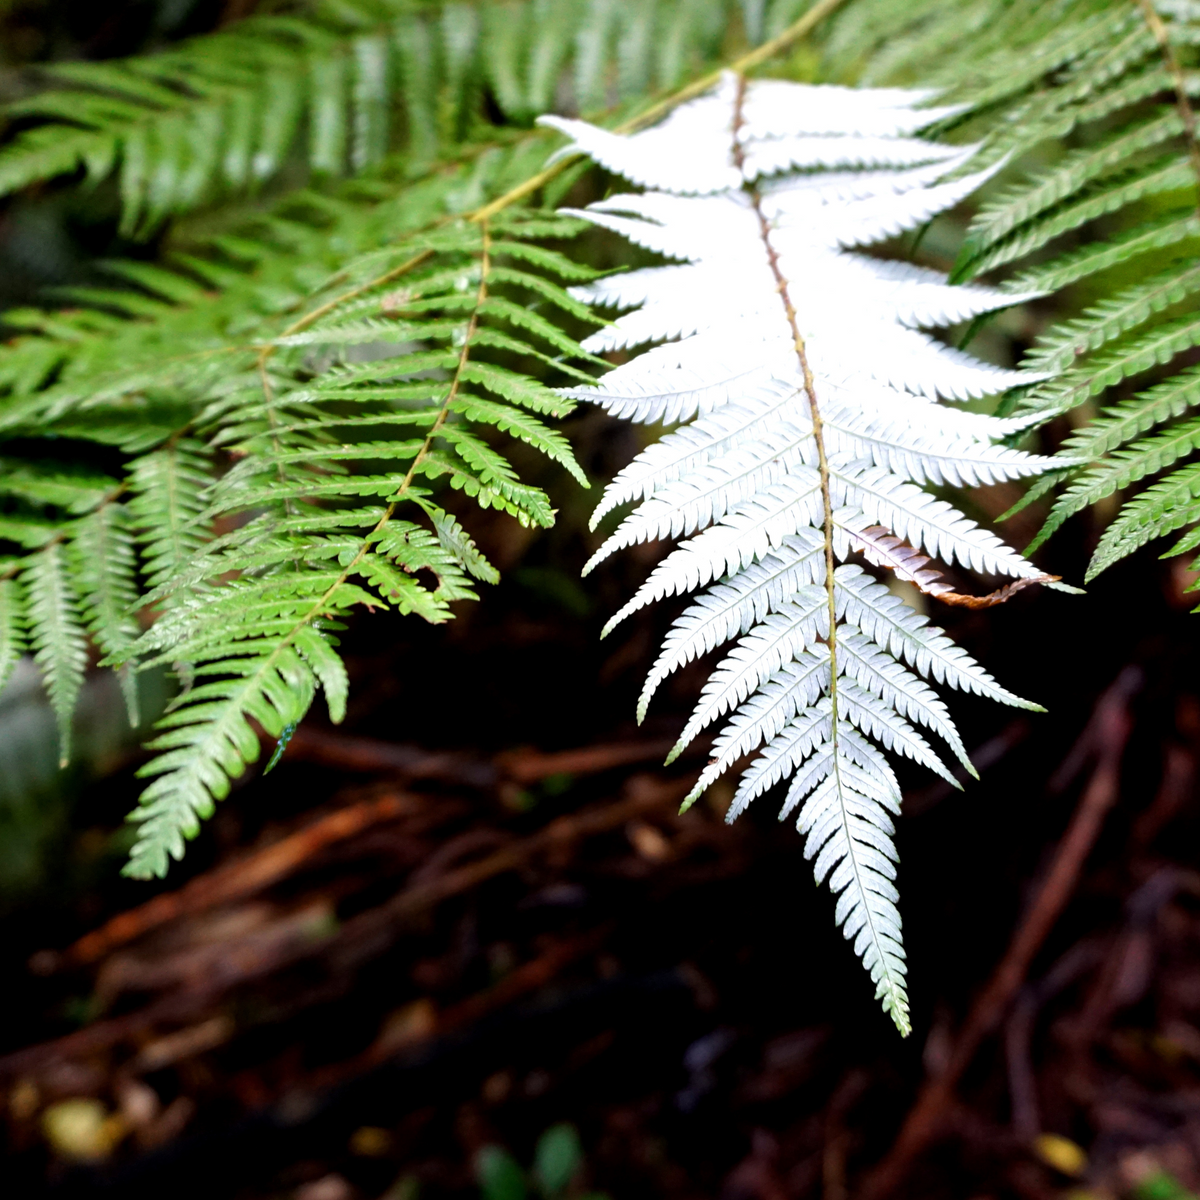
(82,1128)
(1060,1153)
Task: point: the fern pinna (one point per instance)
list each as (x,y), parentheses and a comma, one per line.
(1111,223)
(812,430)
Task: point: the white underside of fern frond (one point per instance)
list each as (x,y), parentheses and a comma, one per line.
(758,192)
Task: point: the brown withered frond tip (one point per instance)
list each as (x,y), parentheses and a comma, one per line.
(884,549)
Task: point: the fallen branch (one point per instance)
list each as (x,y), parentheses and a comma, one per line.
(265,867)
(360,936)
(368,756)
(363,935)
(236,881)
(520,982)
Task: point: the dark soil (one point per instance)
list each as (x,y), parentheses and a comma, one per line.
(474,912)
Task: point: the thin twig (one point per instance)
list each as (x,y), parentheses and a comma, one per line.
(1018,1034)
(234,881)
(837,1137)
(1182,101)
(529,977)
(262,868)
(361,933)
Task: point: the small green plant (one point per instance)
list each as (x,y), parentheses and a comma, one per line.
(1161,1185)
(557,1161)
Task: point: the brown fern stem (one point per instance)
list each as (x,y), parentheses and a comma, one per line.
(810,390)
(1182,101)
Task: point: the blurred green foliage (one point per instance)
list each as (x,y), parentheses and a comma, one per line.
(558,1160)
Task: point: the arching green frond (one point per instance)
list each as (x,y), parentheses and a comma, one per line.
(1095,115)
(336,88)
(294,408)
(311,551)
(1168,505)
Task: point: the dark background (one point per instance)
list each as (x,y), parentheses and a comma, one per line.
(366,1018)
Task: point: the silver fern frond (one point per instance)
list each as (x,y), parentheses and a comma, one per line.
(811,397)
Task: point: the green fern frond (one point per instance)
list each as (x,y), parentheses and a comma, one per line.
(1136,185)
(168,488)
(1148,457)
(71,488)
(288,405)
(1064,343)
(1151,347)
(1113,217)
(1158,233)
(446,315)
(1121,423)
(1019,206)
(337,87)
(208,742)
(1161,509)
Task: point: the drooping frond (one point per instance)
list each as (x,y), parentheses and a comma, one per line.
(291,409)
(13,640)
(1112,217)
(339,86)
(168,487)
(809,403)
(330,494)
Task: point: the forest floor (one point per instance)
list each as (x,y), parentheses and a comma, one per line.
(420,935)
